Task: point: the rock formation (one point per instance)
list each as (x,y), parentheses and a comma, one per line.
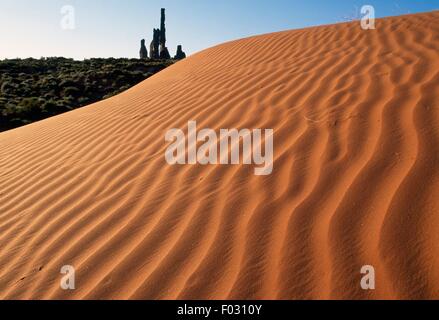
(143,50)
(180,53)
(163,29)
(164,53)
(158,49)
(155,43)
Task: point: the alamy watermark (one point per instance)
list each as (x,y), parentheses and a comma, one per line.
(68,280)
(368,280)
(368,17)
(207,147)
(68,17)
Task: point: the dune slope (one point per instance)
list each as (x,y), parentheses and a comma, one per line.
(356,177)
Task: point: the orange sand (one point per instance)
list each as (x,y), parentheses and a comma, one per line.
(355,180)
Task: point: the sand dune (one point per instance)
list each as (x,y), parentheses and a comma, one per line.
(356,177)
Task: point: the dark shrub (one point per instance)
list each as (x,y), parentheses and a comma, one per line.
(33,89)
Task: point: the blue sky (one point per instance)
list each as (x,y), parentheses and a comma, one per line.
(113,28)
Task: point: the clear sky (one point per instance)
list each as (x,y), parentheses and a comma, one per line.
(113,28)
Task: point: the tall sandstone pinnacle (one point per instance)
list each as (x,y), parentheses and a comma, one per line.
(163,27)
(143,50)
(164,52)
(155,44)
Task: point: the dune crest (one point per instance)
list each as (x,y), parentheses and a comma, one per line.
(355,116)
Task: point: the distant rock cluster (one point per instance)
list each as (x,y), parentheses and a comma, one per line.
(158,49)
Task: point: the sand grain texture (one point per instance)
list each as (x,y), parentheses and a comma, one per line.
(355,181)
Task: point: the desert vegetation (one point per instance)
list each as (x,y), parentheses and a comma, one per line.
(34,89)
